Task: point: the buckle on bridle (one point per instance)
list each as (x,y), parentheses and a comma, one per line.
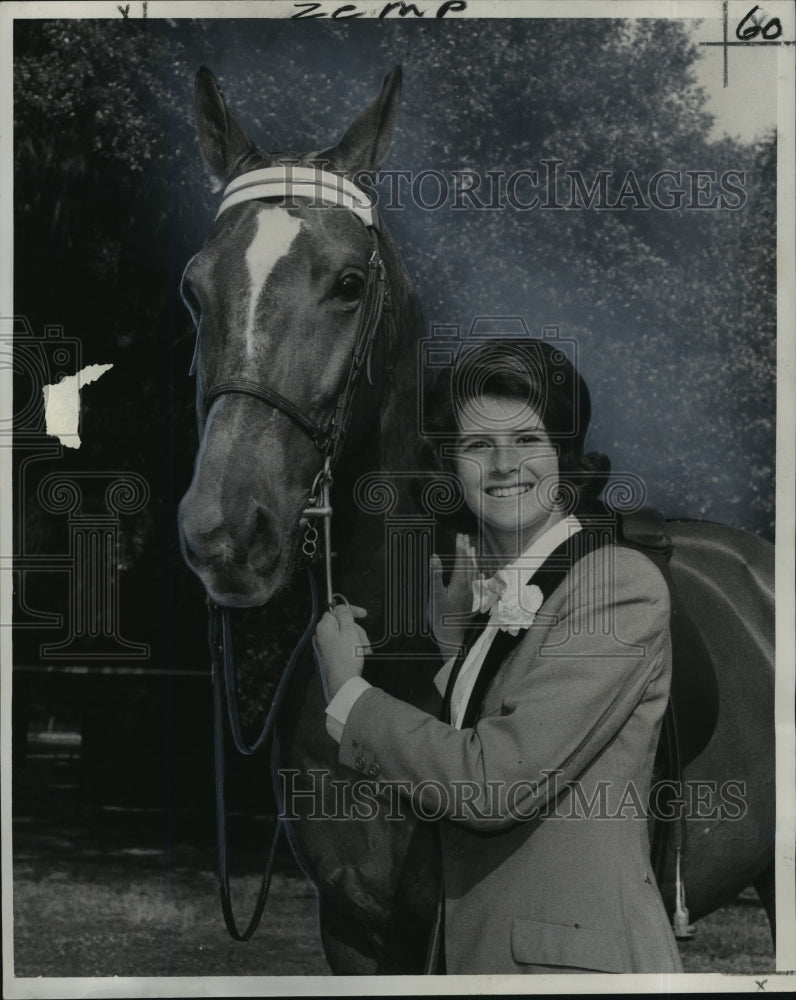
(319,504)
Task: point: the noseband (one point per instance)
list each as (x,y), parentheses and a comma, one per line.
(322,188)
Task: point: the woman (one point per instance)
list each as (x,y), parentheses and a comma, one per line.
(542,760)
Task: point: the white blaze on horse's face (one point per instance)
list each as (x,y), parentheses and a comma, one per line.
(275,233)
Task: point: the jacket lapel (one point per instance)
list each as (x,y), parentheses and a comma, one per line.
(502,644)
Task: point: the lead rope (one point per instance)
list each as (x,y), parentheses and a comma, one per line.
(225,689)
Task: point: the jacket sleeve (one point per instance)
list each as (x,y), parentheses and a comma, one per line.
(579,686)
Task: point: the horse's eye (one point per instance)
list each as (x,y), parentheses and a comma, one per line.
(349,287)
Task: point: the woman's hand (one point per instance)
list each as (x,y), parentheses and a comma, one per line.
(455,599)
(342,645)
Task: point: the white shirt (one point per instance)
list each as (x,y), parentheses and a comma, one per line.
(525,566)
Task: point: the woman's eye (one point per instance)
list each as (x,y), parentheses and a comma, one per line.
(349,287)
(528,439)
(476,444)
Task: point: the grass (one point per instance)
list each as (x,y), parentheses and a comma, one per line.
(155,925)
(101,892)
(734,939)
(170,925)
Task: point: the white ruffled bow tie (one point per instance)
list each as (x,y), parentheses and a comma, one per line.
(510,606)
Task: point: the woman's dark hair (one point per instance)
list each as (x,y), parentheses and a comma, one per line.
(535,373)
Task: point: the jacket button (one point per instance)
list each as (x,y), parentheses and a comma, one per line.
(359,763)
(374,770)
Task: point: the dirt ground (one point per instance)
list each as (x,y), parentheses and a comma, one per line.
(132,892)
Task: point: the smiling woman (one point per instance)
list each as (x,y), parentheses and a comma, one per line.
(523,393)
(519,412)
(552,702)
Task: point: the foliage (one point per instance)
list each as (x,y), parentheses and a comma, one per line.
(672,311)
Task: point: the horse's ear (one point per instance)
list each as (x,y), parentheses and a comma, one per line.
(367,141)
(224,143)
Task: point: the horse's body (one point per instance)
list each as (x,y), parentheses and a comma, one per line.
(276,291)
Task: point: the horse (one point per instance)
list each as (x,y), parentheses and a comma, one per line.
(298,293)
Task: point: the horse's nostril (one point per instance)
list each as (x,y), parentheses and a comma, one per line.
(262,522)
(192,556)
(263,536)
(199,551)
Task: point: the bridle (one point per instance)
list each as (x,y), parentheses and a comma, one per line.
(323,189)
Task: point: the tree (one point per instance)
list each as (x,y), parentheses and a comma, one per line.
(672,311)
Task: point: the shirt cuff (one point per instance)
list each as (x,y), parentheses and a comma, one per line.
(338,708)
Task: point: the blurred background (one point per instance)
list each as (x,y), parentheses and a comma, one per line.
(672,312)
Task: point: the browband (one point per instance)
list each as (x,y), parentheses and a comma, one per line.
(286,181)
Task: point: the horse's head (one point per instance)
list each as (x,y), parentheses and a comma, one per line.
(282,294)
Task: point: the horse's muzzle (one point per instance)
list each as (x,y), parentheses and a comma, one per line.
(241,570)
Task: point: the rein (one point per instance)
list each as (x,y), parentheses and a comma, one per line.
(324,188)
(225,694)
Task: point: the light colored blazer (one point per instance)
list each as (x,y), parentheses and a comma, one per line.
(540,876)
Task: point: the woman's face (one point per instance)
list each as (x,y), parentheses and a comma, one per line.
(508,467)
